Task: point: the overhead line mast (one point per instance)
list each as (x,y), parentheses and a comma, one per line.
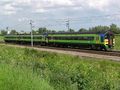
(31,26)
(68,24)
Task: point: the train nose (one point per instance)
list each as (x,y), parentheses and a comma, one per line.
(106,42)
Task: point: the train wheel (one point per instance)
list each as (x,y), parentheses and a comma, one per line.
(92,47)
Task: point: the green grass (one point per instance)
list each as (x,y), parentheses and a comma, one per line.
(28,69)
(117,42)
(20,78)
(1,38)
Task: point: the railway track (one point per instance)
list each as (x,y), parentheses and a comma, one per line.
(109,53)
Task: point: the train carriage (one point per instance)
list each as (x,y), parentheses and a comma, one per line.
(102,41)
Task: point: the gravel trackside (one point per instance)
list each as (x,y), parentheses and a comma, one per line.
(75,53)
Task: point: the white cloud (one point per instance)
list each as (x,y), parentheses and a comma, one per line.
(21,10)
(23,19)
(99,4)
(41,6)
(9,12)
(9,7)
(39,10)
(61,2)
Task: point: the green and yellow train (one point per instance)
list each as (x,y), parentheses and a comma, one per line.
(102,41)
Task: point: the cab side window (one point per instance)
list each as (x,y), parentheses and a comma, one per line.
(102,39)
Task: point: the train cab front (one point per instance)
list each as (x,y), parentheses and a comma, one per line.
(109,40)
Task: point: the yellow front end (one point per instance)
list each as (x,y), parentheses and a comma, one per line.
(106,42)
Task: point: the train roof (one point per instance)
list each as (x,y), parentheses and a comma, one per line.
(58,33)
(103,32)
(23,35)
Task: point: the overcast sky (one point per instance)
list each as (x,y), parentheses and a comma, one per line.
(53,14)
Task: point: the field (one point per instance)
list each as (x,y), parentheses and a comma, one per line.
(117,42)
(28,69)
(1,38)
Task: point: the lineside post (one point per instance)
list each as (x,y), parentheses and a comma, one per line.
(68,24)
(31,26)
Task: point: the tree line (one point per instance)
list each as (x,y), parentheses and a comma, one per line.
(113,27)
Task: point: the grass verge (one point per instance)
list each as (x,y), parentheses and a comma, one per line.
(28,69)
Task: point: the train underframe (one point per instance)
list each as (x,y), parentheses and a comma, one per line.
(62,45)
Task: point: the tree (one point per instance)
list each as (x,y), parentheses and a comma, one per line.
(82,30)
(3,32)
(114,28)
(99,29)
(34,32)
(71,30)
(13,32)
(61,31)
(53,31)
(41,30)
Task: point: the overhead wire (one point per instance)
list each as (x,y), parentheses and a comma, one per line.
(73,20)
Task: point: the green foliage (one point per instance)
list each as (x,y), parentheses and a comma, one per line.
(20,78)
(82,30)
(1,38)
(63,72)
(99,29)
(42,30)
(71,30)
(114,28)
(13,32)
(3,32)
(117,42)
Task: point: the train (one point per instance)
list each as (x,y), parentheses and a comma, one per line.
(90,40)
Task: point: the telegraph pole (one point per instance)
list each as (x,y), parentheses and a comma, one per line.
(68,24)
(7,29)
(31,26)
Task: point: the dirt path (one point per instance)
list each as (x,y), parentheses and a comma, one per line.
(80,54)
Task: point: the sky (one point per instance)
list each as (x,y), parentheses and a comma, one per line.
(54,14)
